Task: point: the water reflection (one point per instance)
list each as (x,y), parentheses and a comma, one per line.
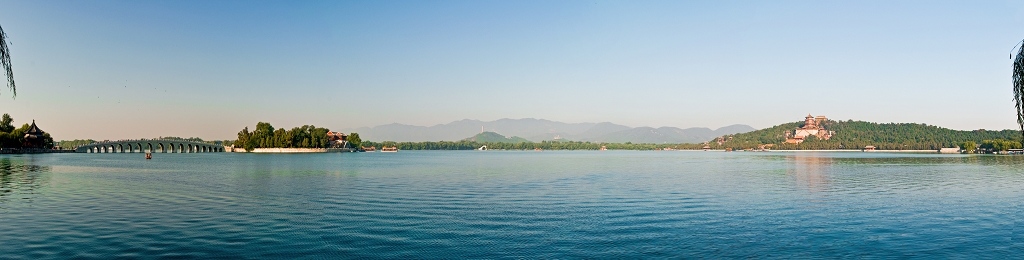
(20,177)
(810,171)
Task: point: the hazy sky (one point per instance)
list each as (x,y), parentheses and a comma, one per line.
(131,69)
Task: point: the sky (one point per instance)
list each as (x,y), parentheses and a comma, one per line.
(142,69)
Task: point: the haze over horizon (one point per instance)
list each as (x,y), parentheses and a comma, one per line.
(128,69)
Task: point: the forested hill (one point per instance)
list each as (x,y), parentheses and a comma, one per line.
(857,134)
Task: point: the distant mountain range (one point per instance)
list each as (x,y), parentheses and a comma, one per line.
(537,130)
(492,137)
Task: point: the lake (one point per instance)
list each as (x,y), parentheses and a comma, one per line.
(512,204)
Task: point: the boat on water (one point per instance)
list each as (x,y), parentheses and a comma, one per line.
(393,149)
(369,149)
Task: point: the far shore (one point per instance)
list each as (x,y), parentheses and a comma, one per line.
(859,150)
(850,150)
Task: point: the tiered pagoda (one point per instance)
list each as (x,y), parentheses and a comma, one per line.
(33,137)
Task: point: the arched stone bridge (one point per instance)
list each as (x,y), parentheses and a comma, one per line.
(149,146)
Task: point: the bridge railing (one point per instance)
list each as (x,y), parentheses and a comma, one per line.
(146,140)
(104,142)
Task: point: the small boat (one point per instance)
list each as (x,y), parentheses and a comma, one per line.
(369,149)
(393,149)
(149,156)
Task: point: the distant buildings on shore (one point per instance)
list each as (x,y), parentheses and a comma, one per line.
(337,139)
(813,126)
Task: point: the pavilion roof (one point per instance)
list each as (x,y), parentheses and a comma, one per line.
(34,129)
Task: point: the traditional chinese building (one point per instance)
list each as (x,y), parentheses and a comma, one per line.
(337,139)
(812,126)
(33,137)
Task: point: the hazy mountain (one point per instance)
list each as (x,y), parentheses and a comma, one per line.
(533,129)
(670,134)
(599,130)
(492,137)
(537,130)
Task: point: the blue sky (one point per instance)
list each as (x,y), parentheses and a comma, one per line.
(131,69)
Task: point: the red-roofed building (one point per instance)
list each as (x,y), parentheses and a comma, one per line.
(338,139)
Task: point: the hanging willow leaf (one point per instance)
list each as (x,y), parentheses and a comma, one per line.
(1018,87)
(5,58)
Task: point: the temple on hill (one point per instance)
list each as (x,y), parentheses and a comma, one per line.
(812,126)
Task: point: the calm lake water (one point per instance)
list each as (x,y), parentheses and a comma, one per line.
(512,204)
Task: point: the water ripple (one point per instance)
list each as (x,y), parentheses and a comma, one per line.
(511,205)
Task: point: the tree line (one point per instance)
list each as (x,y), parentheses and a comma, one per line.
(265,136)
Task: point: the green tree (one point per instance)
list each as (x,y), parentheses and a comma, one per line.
(6,123)
(999,145)
(5,58)
(354,140)
(245,140)
(263,135)
(969,146)
(65,144)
